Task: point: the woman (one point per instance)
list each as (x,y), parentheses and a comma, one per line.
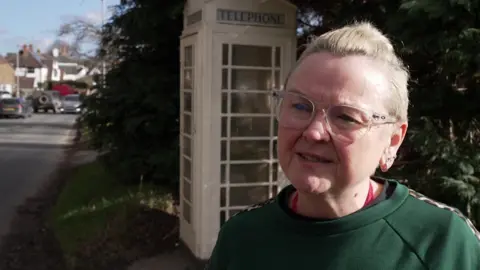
(343,114)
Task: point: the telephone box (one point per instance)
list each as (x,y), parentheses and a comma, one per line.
(233,55)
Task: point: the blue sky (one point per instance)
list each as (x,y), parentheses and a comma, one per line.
(37,21)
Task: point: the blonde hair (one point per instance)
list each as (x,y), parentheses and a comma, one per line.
(364,39)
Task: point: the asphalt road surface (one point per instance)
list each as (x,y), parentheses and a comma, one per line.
(30,150)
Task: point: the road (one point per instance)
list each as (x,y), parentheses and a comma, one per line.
(30,150)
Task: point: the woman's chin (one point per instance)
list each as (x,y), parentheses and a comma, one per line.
(312,184)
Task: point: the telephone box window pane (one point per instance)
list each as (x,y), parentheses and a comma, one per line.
(187,124)
(277,57)
(224,102)
(188,79)
(275,149)
(251,103)
(187,212)
(187,148)
(223,173)
(187,169)
(187,101)
(255,56)
(278,84)
(249,173)
(225,54)
(245,196)
(224,79)
(223,197)
(224,127)
(187,191)
(244,79)
(188,56)
(223,154)
(249,150)
(223,218)
(250,127)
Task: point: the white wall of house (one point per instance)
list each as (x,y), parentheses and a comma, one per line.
(55,71)
(39,74)
(71,77)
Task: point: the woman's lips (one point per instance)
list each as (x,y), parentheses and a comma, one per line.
(314,158)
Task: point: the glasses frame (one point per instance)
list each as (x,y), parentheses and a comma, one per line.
(375,119)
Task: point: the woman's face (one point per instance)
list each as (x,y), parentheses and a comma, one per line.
(312,158)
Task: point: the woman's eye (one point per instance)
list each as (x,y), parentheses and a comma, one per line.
(348,119)
(302,107)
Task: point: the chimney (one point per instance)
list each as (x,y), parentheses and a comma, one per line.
(64,50)
(30,48)
(25,48)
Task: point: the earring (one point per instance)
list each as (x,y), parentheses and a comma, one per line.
(391,159)
(386,165)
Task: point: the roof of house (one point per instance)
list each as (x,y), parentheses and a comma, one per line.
(3,60)
(60,58)
(27,59)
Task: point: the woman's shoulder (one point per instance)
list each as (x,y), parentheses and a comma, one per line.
(252,217)
(433,216)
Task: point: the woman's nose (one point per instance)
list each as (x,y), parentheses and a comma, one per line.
(317,129)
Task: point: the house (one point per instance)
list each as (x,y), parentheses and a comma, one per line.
(27,85)
(30,65)
(57,65)
(7,76)
(62,67)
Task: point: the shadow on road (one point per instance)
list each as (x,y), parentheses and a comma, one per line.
(50,132)
(32,146)
(34,124)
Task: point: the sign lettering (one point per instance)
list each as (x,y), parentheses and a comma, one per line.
(249,17)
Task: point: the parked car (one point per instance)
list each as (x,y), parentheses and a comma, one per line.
(71,104)
(5,94)
(15,108)
(48,100)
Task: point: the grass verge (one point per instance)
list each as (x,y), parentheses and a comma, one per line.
(94,208)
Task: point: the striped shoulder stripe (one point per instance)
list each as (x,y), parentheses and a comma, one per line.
(426,199)
(256,206)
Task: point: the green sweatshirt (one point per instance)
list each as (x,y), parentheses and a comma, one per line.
(404,231)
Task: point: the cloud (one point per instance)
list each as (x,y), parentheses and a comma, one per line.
(3,31)
(93,17)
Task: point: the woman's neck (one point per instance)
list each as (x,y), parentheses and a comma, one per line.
(327,206)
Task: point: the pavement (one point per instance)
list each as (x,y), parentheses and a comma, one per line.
(30,150)
(179,259)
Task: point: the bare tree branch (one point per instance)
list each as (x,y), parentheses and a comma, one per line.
(82,32)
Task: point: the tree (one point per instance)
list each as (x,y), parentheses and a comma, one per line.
(83,32)
(135,116)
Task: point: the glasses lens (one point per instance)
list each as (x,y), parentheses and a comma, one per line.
(347,123)
(294,111)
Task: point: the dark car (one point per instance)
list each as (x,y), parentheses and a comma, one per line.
(15,108)
(48,100)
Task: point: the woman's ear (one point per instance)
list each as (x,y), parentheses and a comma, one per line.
(396,139)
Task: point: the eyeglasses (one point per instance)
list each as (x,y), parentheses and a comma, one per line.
(346,123)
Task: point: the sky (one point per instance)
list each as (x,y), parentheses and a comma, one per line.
(36,22)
